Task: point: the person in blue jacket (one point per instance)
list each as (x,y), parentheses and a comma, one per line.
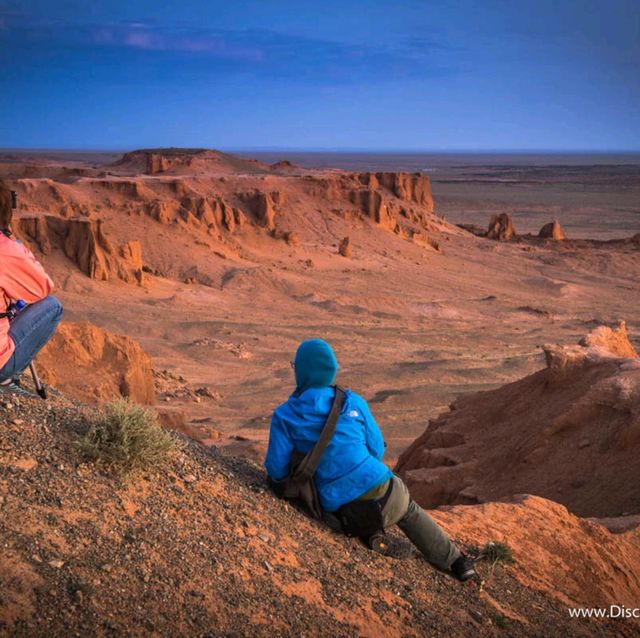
(351,467)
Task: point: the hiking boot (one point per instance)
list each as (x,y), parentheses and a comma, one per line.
(13,387)
(388,546)
(377,543)
(462,568)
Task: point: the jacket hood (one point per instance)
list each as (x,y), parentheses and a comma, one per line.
(312,404)
(315,365)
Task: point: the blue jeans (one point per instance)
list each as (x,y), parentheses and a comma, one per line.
(30,331)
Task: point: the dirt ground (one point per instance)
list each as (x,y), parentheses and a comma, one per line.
(200,547)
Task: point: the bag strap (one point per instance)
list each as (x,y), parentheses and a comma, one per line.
(309,464)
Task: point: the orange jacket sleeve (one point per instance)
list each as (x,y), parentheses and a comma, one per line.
(21,276)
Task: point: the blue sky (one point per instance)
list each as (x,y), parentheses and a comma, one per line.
(404,75)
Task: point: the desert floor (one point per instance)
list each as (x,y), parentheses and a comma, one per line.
(411,328)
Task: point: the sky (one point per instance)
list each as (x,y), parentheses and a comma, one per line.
(403,75)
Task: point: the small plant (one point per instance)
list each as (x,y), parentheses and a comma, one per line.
(500,620)
(497,552)
(78,587)
(126,437)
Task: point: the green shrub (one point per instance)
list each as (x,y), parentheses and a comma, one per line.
(499,620)
(126,437)
(497,552)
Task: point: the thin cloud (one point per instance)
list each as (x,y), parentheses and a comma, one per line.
(257,52)
(156,39)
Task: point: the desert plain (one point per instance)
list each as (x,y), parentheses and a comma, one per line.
(413,325)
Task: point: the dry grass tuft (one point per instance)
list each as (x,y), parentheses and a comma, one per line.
(126,437)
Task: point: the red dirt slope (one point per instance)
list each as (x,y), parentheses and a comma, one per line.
(570,432)
(200,548)
(577,561)
(93,365)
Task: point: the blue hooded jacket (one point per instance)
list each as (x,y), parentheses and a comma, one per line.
(352,463)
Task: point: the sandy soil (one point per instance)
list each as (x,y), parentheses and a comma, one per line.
(199,547)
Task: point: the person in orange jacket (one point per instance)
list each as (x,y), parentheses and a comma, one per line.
(22,278)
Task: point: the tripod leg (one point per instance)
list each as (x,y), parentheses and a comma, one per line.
(40,389)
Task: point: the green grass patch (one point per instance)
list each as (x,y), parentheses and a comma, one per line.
(500,620)
(497,552)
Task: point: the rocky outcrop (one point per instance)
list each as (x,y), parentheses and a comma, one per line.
(157,163)
(410,187)
(552,230)
(86,245)
(345,248)
(570,432)
(264,206)
(184,161)
(94,365)
(612,341)
(214,212)
(211,213)
(35,229)
(131,253)
(162,210)
(398,202)
(84,242)
(501,227)
(372,204)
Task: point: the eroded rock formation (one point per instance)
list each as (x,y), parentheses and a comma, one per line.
(570,432)
(36,229)
(546,539)
(86,245)
(184,160)
(211,213)
(264,206)
(345,248)
(398,202)
(612,341)
(94,365)
(552,230)
(157,163)
(410,187)
(501,227)
(373,205)
(84,242)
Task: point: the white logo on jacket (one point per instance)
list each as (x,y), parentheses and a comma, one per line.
(354,414)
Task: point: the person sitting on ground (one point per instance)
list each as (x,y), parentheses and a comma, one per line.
(351,468)
(21,278)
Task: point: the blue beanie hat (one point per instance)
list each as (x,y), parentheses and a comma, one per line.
(315,364)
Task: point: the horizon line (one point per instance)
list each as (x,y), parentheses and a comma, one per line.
(338,150)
